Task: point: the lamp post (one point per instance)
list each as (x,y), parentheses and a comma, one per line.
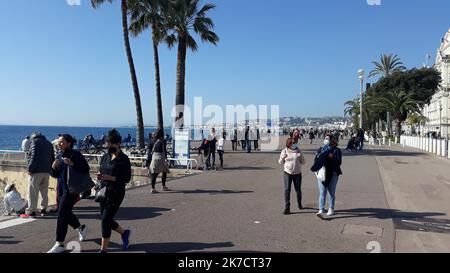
(361,79)
(440,119)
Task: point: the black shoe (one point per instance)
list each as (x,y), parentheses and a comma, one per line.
(300,207)
(102,251)
(43,212)
(286,212)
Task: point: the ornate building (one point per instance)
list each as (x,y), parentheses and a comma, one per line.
(438,111)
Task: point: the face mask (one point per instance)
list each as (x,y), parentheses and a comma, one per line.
(112,150)
(294,147)
(326,142)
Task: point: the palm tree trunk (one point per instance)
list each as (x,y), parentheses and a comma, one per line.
(137,97)
(159,112)
(398,123)
(181,73)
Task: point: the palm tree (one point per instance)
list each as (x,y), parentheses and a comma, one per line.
(184,18)
(352,109)
(400,104)
(388,64)
(137,97)
(149,14)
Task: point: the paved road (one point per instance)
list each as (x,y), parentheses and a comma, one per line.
(237,209)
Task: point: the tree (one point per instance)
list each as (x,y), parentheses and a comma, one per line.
(137,97)
(400,104)
(388,64)
(184,18)
(150,14)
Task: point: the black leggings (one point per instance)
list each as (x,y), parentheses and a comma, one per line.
(220,157)
(108,211)
(155,175)
(66,216)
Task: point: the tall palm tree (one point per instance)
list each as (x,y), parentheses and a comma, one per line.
(137,97)
(400,104)
(185,17)
(352,109)
(388,64)
(149,14)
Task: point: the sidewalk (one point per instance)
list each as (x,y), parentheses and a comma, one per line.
(417,187)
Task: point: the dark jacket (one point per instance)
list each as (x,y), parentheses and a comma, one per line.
(332,165)
(79,164)
(41,156)
(161,147)
(120,168)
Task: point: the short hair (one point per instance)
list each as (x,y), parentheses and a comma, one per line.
(289,142)
(114,137)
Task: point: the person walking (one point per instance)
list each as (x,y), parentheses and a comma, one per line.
(248,144)
(220,150)
(39,165)
(212,139)
(311,136)
(330,157)
(203,152)
(115,173)
(158,162)
(361,138)
(73,159)
(292,159)
(256,141)
(234,140)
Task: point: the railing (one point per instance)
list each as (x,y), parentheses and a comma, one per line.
(6,155)
(439,147)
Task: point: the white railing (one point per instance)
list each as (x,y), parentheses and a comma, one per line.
(439,147)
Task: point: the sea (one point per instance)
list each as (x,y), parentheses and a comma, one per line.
(11,136)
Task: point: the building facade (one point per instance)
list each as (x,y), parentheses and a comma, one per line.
(438,111)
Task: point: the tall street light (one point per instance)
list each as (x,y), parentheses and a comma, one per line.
(361,79)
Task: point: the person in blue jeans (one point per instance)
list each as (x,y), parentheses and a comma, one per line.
(329,156)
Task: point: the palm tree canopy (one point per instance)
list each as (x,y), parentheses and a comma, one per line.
(399,103)
(96,3)
(185,16)
(388,64)
(148,14)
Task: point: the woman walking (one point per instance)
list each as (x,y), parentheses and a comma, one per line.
(292,159)
(115,173)
(75,160)
(329,156)
(158,162)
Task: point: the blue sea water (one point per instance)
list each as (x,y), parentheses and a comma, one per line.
(11,136)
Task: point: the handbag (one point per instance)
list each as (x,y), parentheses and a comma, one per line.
(78,182)
(321,174)
(100,195)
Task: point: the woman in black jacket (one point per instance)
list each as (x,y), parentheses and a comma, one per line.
(158,163)
(330,156)
(70,159)
(115,173)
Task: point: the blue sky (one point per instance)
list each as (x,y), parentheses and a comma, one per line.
(66,65)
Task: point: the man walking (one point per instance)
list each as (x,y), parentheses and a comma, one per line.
(361,138)
(247,140)
(39,165)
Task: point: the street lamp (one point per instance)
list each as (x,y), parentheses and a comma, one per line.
(361,79)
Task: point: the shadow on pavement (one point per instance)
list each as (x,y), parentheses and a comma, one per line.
(212,192)
(124,213)
(378,152)
(248,168)
(162,247)
(383,214)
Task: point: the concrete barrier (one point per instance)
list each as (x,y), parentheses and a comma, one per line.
(438,147)
(443,148)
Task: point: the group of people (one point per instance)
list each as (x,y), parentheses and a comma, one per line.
(356,141)
(327,161)
(208,148)
(246,139)
(113,175)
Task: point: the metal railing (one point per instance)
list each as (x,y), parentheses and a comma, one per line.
(6,154)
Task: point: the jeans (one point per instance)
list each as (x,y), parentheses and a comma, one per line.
(288,180)
(248,144)
(331,189)
(361,144)
(211,160)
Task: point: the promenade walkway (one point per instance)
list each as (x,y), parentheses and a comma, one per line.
(240,209)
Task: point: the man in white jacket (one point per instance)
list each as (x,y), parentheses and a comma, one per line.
(13,201)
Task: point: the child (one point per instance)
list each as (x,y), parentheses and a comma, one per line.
(13,201)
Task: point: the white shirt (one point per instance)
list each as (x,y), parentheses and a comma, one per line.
(26,143)
(13,201)
(220,144)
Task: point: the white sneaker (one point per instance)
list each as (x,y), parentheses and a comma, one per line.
(82,232)
(320,212)
(57,248)
(330,212)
